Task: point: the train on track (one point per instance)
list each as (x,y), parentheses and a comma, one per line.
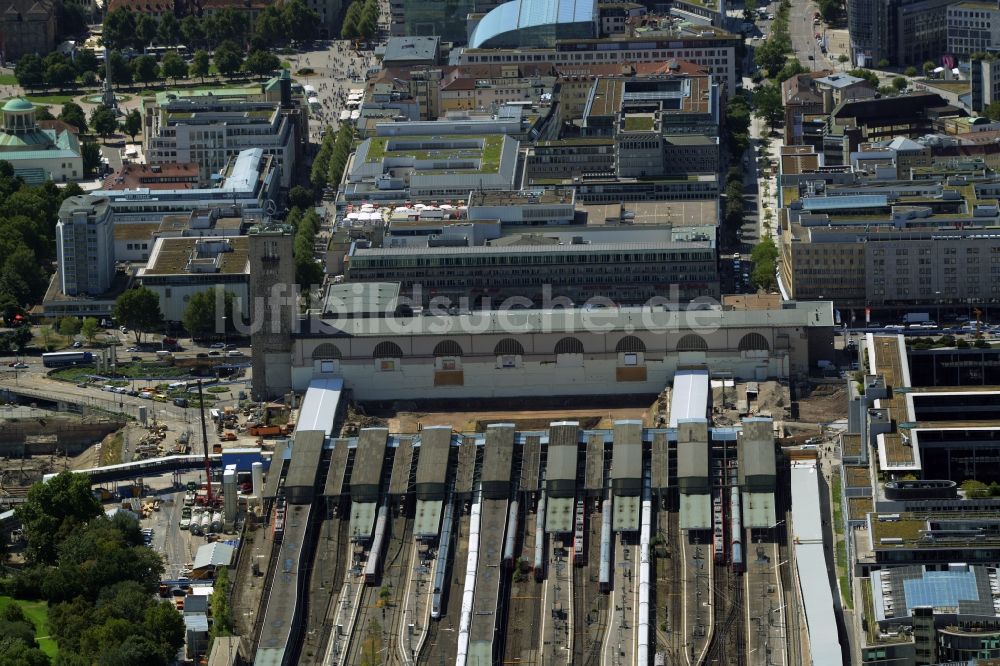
(579,542)
(735,532)
(278,525)
(718,529)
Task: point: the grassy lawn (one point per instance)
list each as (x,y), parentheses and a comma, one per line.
(836,507)
(38,613)
(125,371)
(8,80)
(50,99)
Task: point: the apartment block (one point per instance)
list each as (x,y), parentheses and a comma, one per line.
(85,245)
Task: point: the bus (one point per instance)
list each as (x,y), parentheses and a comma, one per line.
(64,359)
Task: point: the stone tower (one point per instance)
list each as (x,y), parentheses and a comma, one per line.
(273,309)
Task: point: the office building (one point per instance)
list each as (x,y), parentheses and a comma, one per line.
(85,245)
(37,154)
(181,267)
(711,48)
(904,32)
(973,27)
(665,126)
(250,180)
(417,18)
(425,167)
(208,127)
(899,245)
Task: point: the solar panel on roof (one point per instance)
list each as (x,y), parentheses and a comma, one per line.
(940,589)
(850,201)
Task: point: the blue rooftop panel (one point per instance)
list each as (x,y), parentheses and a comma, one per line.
(941,589)
(524,14)
(852,201)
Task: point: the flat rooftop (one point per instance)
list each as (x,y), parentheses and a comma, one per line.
(435,447)
(521,197)
(498,454)
(173,256)
(307,447)
(369,457)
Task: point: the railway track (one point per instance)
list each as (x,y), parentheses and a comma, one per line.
(590,626)
(399,562)
(669,638)
(727,646)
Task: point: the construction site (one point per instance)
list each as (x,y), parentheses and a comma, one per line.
(639,534)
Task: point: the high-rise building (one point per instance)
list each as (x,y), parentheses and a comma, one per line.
(904,32)
(273,308)
(85,245)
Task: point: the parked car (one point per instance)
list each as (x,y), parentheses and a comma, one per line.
(218,345)
(233,353)
(77,344)
(201,355)
(215,352)
(20,366)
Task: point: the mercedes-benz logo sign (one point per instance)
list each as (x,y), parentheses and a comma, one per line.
(269,207)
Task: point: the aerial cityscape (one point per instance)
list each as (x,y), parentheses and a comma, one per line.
(499,332)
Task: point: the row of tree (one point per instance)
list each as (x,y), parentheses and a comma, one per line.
(331,160)
(306,224)
(765,264)
(56,70)
(98,578)
(276,25)
(361,20)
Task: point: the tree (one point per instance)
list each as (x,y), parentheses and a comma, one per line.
(89,329)
(73,114)
(767,100)
(975,489)
(262,63)
(52,511)
(228,58)
(57,75)
(173,66)
(883,63)
(929,66)
(300,197)
(792,68)
(764,257)
(168,33)
(139,310)
(69,326)
(202,318)
(42,113)
(192,32)
(910,71)
(992,111)
(199,64)
(866,74)
(29,71)
(85,61)
(121,70)
(222,619)
(145,31)
(146,69)
(103,120)
(132,124)
(269,27)
(119,29)
(165,628)
(300,22)
(899,83)
(91,154)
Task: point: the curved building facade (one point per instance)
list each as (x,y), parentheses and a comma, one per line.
(535,24)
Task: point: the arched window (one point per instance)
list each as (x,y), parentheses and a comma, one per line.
(630,345)
(387,350)
(569,346)
(508,347)
(327,351)
(692,342)
(447,348)
(753,342)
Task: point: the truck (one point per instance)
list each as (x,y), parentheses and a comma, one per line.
(916,318)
